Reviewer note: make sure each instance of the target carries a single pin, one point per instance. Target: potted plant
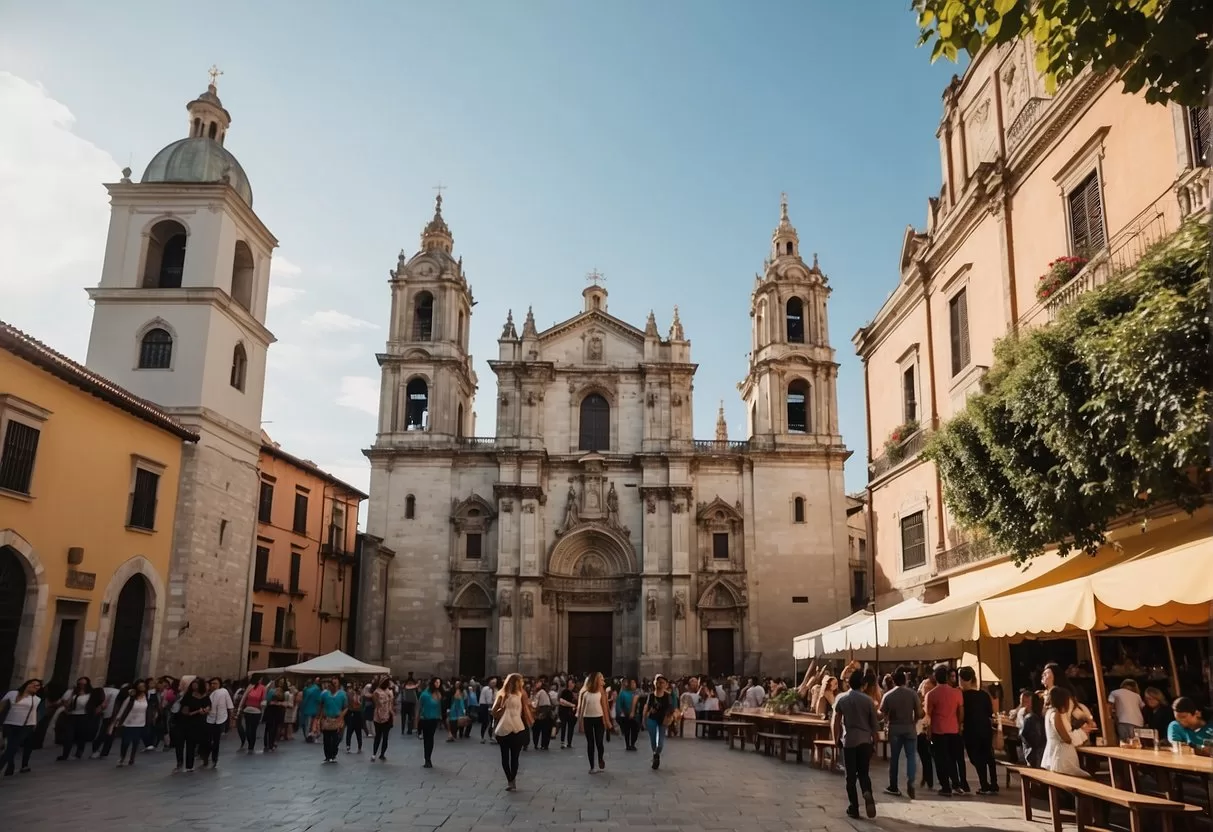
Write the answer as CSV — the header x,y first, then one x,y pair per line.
x,y
1061,271
782,703
894,446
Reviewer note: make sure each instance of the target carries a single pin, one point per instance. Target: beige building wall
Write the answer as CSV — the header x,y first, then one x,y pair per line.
x,y
1013,159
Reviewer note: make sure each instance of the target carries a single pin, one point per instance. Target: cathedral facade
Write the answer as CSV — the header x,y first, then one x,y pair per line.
x,y
593,532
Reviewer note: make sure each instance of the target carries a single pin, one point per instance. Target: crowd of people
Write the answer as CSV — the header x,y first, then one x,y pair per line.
x,y
935,718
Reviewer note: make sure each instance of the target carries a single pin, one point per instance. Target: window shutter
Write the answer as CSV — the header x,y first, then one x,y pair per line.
x,y
1079,241
1202,135
962,310
1095,231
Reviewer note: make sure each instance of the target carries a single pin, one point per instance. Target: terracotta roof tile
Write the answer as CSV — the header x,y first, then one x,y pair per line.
x,y
58,364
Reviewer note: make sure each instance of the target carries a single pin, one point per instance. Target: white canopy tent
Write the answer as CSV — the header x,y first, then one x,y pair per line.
x,y
336,663
810,646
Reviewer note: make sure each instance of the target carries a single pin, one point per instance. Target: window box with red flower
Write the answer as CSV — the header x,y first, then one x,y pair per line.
x,y
1061,271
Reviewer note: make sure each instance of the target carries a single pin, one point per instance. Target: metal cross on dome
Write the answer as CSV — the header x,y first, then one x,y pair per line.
x,y
595,278
214,72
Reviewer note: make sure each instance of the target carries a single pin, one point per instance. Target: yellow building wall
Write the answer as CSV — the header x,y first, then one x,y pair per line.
x,y
79,497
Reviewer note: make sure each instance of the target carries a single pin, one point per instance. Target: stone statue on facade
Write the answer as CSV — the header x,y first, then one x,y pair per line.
x,y
571,514
680,605
612,502
651,606
504,607
528,605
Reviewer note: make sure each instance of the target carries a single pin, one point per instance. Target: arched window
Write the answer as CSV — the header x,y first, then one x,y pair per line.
x,y
156,350
239,367
165,256
595,424
460,328
213,131
423,317
410,507
197,127
789,247
798,510
242,275
753,419
459,424
416,405
795,321
798,406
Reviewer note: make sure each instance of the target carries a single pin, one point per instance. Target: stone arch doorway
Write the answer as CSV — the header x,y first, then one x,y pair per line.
x,y
13,586
129,635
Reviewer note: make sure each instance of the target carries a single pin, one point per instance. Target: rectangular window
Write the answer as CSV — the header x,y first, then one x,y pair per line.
x,y
17,456
1200,128
254,630
300,524
800,599
720,545
279,625
261,569
859,586
909,396
143,499
958,325
265,505
913,541
863,545
473,545
296,565
1086,217
337,528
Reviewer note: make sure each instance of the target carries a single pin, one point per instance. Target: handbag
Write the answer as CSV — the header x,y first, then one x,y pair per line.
x,y
330,723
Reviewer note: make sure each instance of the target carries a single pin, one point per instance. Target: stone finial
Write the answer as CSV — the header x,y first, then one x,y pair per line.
x,y
528,326
650,326
816,268
722,427
508,332
400,258
676,333
126,176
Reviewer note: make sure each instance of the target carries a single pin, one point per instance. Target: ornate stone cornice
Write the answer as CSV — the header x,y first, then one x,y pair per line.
x,y
520,492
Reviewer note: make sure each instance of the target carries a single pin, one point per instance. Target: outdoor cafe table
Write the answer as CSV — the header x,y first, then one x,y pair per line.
x,y
802,726
1163,761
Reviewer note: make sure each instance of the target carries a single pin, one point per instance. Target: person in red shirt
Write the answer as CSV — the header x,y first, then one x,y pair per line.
x,y
944,705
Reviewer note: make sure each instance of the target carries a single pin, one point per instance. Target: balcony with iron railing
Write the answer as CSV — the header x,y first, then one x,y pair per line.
x,y
478,441
964,554
720,446
267,585
899,454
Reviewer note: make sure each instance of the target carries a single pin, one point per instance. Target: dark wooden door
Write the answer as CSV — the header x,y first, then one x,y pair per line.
x,y
65,653
12,605
591,640
128,632
472,648
720,653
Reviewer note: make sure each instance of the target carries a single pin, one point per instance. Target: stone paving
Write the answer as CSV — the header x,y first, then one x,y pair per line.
x,y
701,786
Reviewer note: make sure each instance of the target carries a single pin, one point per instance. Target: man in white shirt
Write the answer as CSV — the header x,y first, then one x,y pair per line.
x,y
755,694
1128,709
216,721
488,692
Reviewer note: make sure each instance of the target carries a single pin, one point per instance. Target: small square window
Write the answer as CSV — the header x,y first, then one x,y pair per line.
x,y
473,545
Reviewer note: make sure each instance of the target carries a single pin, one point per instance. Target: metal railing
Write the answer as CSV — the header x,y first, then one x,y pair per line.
x,y
964,554
268,586
909,449
719,446
1122,253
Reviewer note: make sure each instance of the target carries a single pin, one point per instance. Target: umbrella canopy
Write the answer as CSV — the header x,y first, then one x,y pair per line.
x,y
336,663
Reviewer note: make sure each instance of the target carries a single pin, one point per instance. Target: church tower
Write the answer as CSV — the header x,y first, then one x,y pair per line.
x,y
428,383
179,319
790,388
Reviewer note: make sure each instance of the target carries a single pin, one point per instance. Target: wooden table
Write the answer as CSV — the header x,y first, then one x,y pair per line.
x,y
804,727
1164,762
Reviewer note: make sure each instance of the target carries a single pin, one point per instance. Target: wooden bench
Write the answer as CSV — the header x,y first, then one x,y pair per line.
x,y
1086,792
1011,768
738,732
823,749
770,742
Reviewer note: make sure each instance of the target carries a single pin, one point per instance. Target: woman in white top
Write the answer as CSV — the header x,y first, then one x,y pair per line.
x,y
1061,739
20,708
513,716
594,717
132,720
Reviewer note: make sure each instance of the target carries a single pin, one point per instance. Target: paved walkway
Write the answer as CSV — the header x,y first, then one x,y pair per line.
x,y
700,786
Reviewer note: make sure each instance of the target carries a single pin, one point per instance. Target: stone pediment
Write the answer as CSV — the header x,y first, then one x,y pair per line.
x,y
474,513
721,594
588,320
718,510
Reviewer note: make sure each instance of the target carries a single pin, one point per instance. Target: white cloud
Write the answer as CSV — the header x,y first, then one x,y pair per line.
x,y
360,393
282,295
55,215
283,269
330,320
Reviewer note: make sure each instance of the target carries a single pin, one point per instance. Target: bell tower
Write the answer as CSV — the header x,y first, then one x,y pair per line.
x,y
428,384
179,319
790,390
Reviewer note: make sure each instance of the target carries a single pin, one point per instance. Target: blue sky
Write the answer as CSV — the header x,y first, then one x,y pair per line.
x,y
648,140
